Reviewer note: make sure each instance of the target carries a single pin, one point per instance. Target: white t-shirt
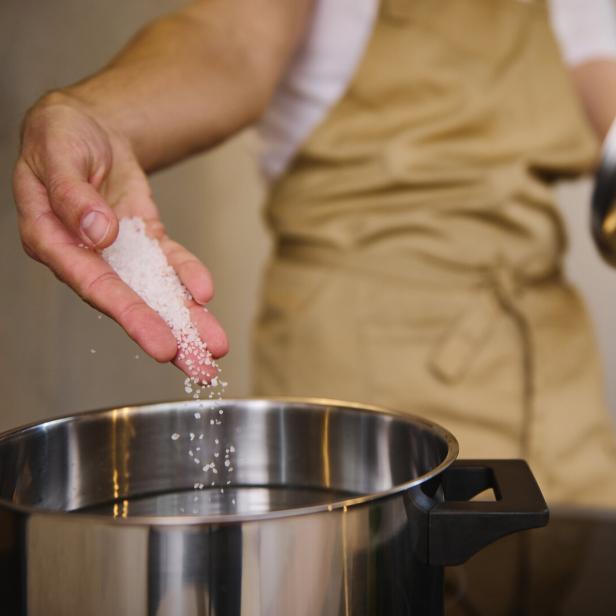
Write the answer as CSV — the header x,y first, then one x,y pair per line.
x,y
333,47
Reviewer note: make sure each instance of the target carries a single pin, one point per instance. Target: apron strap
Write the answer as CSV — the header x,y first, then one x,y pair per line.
x,y
454,355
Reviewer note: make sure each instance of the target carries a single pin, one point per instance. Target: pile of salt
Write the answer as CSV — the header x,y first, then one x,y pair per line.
x,y
140,262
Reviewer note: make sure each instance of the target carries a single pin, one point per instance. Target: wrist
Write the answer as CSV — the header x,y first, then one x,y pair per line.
x,y
100,112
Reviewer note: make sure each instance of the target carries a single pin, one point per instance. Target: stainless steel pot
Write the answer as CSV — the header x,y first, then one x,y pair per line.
x,y
316,508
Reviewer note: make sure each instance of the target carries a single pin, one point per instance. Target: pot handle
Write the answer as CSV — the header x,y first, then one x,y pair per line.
x,y
459,527
603,212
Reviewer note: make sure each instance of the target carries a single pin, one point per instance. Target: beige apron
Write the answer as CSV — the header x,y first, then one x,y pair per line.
x,y
418,247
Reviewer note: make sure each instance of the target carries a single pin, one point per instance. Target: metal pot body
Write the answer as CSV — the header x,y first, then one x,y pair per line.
x,y
358,562
315,508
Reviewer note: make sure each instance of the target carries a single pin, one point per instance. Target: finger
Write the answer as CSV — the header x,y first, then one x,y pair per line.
x,y
30,195
210,331
95,281
191,361
107,292
193,274
79,205
30,199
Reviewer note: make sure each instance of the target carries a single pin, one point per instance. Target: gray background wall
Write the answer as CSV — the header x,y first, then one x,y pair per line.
x,y
46,333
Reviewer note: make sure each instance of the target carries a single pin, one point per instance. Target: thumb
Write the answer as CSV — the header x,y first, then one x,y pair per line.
x,y
81,208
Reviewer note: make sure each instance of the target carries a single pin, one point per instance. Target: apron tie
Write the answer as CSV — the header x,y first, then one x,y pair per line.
x,y
494,290
453,356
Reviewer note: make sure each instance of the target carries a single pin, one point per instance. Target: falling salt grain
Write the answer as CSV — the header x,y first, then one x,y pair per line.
x,y
175,436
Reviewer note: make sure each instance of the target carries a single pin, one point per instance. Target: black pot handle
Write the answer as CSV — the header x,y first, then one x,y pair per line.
x,y
603,212
458,527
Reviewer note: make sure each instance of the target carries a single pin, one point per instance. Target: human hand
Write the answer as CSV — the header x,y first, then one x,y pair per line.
x,y
74,178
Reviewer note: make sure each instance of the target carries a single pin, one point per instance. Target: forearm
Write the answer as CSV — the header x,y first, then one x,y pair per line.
x,y
194,77
595,82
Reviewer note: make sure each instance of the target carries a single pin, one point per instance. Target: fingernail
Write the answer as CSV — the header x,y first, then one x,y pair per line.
x,y
95,225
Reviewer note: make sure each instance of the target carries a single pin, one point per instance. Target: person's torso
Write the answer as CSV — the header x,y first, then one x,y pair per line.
x,y
446,141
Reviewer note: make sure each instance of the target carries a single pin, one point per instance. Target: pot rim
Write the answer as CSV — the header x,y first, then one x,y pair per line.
x,y
342,505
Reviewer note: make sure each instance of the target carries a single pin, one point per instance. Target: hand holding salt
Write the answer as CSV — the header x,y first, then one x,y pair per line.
x,y
140,262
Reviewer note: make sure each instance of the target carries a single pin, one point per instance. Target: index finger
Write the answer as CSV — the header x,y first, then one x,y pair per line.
x,y
86,272
98,284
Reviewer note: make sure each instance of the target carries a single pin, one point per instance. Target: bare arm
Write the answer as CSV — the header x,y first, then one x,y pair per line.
x,y
196,76
595,82
183,83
